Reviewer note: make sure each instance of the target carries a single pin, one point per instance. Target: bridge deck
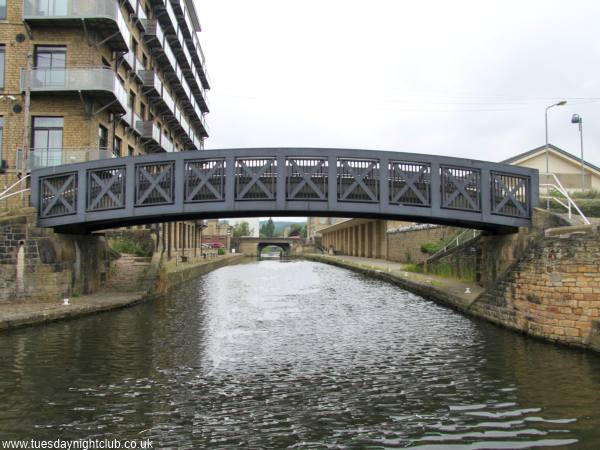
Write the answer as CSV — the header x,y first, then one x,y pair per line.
x,y
284,182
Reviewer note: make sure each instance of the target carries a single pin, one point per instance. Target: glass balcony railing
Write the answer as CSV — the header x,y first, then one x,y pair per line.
x,y
98,81
168,100
129,58
104,16
128,116
166,144
50,157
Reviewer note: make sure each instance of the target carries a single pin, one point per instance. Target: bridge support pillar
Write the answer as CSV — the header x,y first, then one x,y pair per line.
x,y
369,244
360,240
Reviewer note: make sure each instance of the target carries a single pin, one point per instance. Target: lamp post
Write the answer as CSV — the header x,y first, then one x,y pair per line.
x,y
561,103
576,118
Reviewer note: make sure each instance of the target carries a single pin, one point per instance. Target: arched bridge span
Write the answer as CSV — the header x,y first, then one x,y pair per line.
x,y
284,182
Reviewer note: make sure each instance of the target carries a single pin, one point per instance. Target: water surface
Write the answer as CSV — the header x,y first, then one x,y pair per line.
x,y
296,355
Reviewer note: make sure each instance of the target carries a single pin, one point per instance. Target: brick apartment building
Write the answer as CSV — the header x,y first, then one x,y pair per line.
x,y
106,78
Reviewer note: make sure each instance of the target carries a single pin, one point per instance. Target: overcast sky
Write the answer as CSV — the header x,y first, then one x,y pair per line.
x,y
458,78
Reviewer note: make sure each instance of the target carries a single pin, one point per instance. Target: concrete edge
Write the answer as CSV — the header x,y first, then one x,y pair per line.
x,y
570,229
425,290
41,318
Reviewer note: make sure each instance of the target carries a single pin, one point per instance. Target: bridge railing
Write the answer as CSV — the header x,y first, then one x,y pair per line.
x,y
240,182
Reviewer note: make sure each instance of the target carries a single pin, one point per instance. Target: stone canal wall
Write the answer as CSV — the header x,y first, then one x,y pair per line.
x,y
404,245
38,264
171,275
552,290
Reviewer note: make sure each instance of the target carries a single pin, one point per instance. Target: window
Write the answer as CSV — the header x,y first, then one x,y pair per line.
x,y
134,47
102,137
117,146
131,101
143,111
105,63
145,61
1,65
47,141
129,150
2,9
50,62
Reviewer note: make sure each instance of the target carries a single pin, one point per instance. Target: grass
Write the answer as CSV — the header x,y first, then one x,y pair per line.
x,y
444,270
123,246
592,194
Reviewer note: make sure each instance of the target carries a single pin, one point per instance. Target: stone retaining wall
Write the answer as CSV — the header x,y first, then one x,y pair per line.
x,y
405,245
38,264
552,291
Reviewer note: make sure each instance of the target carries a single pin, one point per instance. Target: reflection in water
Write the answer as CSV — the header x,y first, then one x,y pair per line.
x,y
296,354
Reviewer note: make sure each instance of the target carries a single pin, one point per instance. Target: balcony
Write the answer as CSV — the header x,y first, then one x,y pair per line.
x,y
129,59
101,84
151,84
50,157
102,16
148,131
128,116
135,118
138,15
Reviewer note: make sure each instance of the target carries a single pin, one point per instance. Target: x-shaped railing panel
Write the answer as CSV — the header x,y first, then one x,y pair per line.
x,y
411,175
306,171
154,184
458,186
250,176
106,189
500,203
59,195
204,180
360,172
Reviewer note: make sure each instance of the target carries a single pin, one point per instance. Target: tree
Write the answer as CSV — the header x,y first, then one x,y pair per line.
x,y
267,229
241,229
298,229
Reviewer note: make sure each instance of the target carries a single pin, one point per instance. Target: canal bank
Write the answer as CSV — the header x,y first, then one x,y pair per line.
x,y
459,295
170,274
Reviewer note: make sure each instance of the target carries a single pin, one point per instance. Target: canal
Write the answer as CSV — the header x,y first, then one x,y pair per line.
x,y
296,355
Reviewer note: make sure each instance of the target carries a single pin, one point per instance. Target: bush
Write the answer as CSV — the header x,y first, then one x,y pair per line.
x,y
590,207
592,193
431,247
221,251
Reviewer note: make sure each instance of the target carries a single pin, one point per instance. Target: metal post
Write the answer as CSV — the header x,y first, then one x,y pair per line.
x,y
26,119
582,162
561,103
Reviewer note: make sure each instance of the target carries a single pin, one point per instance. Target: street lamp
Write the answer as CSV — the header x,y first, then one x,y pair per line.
x,y
561,103
576,118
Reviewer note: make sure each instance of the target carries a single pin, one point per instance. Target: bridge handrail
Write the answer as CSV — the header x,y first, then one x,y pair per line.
x,y
6,193
560,188
462,237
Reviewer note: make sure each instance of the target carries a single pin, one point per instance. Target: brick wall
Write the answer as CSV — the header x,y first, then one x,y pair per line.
x,y
552,291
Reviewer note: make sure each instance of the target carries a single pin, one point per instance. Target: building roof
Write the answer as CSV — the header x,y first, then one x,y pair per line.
x,y
553,148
